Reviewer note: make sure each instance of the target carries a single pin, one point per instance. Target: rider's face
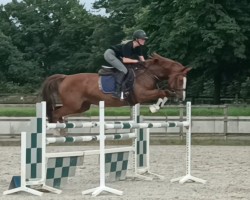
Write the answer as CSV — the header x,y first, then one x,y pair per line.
x,y
141,41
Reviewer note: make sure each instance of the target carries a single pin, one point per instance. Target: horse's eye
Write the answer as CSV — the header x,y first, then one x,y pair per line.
x,y
180,80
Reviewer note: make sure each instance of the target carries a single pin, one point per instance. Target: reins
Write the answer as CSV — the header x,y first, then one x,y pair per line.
x,y
145,71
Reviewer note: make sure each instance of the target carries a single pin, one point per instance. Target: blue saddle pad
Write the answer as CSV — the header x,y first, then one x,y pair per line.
x,y
107,84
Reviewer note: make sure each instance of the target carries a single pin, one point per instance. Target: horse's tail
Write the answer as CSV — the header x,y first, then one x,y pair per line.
x,y
49,92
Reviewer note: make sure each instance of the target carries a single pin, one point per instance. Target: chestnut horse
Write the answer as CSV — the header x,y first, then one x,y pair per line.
x,y
77,92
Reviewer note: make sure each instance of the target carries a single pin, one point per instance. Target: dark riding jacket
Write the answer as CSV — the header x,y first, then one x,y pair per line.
x,y
126,50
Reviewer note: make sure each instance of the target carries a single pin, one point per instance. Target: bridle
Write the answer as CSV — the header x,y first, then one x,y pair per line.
x,y
176,80
157,79
148,73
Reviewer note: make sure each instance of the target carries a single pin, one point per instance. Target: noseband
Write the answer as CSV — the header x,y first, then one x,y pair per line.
x,y
178,89
175,89
157,79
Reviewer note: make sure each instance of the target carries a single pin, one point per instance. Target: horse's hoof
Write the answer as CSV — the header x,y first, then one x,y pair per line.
x,y
63,133
153,108
56,133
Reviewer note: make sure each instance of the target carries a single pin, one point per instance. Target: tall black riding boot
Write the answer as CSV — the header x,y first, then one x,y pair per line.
x,y
118,84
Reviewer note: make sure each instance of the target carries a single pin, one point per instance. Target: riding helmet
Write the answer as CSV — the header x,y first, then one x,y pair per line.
x,y
140,34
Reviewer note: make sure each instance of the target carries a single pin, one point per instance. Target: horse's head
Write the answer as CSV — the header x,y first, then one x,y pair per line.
x,y
177,83
172,71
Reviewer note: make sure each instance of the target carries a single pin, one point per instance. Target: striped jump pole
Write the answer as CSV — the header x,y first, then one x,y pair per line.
x,y
124,136
132,125
72,125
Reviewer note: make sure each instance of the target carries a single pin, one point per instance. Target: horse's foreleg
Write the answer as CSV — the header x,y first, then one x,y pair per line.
x,y
160,103
155,107
165,99
161,95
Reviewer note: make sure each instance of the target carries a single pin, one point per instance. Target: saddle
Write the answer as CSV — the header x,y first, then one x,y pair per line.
x,y
108,77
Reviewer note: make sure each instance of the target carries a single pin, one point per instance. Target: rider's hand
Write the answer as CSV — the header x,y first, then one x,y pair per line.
x,y
141,62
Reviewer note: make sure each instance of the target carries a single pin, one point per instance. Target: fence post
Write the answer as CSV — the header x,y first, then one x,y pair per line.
x,y
181,119
225,121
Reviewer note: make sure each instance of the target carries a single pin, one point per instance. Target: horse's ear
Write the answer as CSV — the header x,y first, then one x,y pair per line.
x,y
155,60
186,70
155,57
154,54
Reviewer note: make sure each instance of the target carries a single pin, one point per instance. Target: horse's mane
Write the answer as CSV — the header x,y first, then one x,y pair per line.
x,y
156,57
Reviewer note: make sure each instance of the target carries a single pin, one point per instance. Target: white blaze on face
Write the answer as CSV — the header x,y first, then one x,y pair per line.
x,y
184,88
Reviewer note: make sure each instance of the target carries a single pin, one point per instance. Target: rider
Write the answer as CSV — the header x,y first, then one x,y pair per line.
x,y
123,53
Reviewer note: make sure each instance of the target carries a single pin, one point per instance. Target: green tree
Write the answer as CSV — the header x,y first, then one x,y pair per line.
x,y
210,36
13,67
53,33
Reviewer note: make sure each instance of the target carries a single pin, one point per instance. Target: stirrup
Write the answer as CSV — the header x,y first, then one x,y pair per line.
x,y
118,96
122,95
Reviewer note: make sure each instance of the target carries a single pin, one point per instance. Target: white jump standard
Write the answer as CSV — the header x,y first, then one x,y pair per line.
x,y
188,176
102,187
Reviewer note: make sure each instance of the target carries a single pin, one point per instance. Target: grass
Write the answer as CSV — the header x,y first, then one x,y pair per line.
x,y
17,112
125,111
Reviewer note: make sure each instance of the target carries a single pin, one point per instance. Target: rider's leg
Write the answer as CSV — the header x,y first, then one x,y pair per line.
x,y
111,58
118,84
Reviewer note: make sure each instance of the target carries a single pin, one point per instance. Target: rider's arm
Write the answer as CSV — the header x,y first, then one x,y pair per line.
x,y
129,60
141,58
127,53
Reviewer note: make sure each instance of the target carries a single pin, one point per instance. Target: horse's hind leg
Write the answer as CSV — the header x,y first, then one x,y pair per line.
x,y
58,114
57,131
67,110
60,119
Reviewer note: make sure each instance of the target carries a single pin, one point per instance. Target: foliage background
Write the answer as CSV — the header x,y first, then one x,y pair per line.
x,y
39,38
